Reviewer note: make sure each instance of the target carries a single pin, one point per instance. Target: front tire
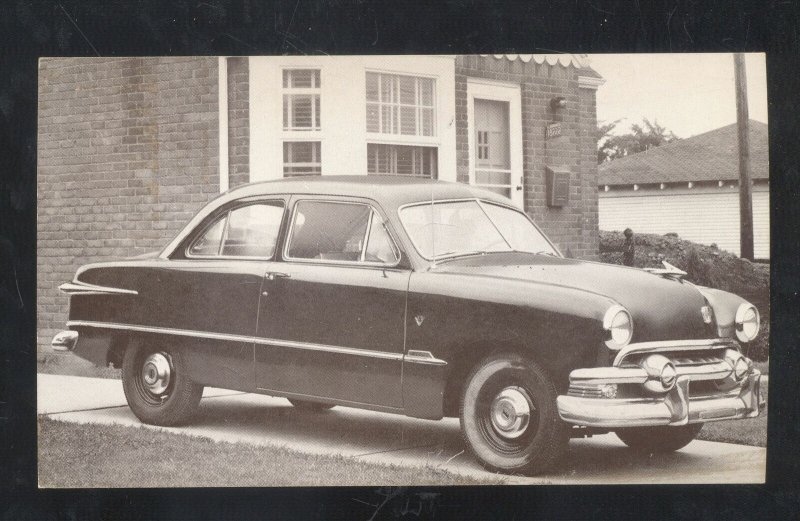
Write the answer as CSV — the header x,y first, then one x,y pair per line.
x,y
157,387
662,438
509,417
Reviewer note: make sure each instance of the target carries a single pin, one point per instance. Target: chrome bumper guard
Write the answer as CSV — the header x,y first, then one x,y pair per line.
x,y
674,407
64,341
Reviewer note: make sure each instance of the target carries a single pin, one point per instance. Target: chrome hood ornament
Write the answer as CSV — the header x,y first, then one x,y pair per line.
x,y
668,271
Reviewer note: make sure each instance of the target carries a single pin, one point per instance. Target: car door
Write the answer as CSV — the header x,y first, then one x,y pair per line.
x,y
210,290
331,321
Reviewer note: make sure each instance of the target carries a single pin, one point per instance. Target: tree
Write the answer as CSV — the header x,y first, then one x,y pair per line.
x,y
641,137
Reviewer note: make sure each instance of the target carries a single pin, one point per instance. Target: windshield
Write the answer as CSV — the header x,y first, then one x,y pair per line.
x,y
453,228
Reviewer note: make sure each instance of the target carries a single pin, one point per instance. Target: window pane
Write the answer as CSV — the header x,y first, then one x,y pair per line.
x,y
208,243
300,110
380,247
388,125
427,122
253,230
301,78
451,228
408,90
302,158
518,230
426,92
408,121
387,88
401,160
373,118
328,231
373,93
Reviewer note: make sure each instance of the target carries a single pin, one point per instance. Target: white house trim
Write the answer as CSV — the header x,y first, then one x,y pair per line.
x,y
590,82
343,112
498,91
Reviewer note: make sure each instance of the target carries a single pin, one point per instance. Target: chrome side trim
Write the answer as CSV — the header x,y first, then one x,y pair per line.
x,y
422,357
237,338
84,288
674,345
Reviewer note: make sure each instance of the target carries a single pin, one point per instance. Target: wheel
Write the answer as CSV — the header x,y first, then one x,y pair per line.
x,y
310,406
662,438
509,417
157,387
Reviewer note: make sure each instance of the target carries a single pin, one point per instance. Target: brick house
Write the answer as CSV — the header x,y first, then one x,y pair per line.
x,y
130,148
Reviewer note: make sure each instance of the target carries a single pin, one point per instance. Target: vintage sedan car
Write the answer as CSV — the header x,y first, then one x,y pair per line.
x,y
415,297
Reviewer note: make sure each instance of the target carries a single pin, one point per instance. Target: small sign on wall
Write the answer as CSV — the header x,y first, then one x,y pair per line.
x,y
552,130
557,180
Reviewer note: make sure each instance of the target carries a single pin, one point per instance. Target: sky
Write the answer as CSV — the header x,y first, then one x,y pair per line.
x,y
687,93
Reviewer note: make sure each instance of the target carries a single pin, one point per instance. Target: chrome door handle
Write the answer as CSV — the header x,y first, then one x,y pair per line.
x,y
272,275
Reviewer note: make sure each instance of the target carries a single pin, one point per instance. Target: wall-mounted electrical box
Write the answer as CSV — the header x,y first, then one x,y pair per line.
x,y
557,180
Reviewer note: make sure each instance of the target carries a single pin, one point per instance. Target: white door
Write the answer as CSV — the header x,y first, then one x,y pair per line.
x,y
492,149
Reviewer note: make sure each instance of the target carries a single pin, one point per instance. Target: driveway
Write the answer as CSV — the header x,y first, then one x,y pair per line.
x,y
391,439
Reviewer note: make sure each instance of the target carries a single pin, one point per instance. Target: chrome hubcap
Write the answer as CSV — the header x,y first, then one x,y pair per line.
x,y
156,373
511,412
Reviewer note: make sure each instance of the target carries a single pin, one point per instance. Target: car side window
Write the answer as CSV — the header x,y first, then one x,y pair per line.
x,y
247,231
339,232
380,247
208,243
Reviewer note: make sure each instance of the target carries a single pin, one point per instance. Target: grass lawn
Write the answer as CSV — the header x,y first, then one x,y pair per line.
x,y
752,431
75,455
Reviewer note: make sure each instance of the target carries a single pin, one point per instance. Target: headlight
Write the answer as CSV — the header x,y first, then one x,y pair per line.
x,y
617,321
747,322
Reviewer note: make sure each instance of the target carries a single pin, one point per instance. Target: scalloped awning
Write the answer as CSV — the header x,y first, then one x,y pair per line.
x,y
580,61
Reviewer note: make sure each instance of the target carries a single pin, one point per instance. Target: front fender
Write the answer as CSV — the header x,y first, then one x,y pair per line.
x,y
724,304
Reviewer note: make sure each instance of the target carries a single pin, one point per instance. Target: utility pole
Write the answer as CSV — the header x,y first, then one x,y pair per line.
x,y
745,188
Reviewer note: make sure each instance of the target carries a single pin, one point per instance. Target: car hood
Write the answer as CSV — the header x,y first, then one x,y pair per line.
x,y
662,308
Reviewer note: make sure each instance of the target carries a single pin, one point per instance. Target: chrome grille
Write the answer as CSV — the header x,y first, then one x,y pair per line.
x,y
680,358
584,391
692,359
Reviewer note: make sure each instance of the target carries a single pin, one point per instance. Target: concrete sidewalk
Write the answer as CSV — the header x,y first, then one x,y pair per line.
x,y
397,440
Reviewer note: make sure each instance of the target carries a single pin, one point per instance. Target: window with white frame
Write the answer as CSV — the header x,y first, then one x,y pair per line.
x,y
400,104
301,99
301,158
419,161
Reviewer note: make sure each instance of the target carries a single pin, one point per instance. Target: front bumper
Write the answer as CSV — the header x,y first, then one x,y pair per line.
x,y
677,406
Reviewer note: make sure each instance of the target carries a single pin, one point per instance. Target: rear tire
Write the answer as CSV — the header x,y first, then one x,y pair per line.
x,y
662,438
304,405
509,417
157,387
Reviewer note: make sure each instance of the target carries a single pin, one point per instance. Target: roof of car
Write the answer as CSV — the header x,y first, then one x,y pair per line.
x,y
389,190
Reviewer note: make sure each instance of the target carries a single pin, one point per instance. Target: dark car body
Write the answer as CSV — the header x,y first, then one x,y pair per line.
x,y
398,337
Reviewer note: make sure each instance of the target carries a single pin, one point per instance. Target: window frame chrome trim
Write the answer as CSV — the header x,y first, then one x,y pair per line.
x,y
355,264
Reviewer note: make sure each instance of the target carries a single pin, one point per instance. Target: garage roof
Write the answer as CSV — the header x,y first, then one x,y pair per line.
x,y
711,156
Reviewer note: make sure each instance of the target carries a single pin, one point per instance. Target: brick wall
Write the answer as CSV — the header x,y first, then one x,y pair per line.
x,y
238,121
127,153
573,227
